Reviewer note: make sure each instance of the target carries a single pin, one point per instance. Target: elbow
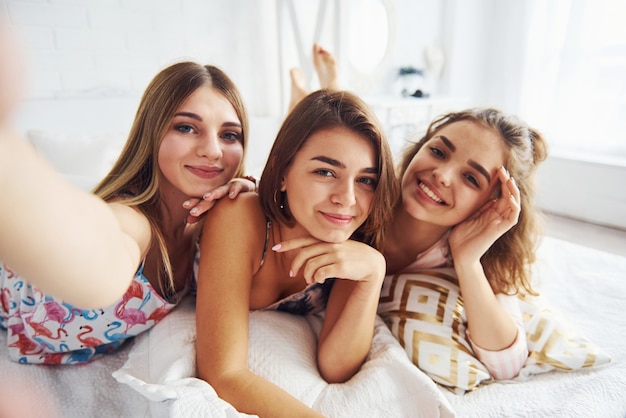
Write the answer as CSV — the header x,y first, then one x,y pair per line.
x,y
333,377
220,383
337,373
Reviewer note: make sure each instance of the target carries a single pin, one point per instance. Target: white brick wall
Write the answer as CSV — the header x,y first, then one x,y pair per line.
x,y
104,48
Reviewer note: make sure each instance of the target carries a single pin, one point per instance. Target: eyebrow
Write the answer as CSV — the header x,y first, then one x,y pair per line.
x,y
199,119
447,142
472,163
336,163
189,115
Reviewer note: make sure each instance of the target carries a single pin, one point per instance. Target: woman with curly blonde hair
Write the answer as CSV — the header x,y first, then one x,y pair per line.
x,y
467,190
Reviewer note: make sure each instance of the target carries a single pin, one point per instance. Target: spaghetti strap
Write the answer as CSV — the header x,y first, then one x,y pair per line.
x,y
268,226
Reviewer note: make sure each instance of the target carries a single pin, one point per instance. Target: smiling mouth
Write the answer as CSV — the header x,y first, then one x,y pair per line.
x,y
205,173
429,193
338,219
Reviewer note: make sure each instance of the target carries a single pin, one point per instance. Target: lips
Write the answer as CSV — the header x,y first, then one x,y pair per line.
x,y
430,193
338,219
205,172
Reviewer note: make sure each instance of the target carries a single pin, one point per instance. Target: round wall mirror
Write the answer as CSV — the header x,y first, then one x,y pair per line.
x,y
369,41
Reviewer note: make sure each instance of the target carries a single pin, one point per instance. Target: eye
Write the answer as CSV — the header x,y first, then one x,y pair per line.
x,y
185,129
472,180
437,152
368,181
324,172
231,136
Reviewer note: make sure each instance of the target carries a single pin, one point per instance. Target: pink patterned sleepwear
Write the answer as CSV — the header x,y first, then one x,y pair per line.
x,y
42,329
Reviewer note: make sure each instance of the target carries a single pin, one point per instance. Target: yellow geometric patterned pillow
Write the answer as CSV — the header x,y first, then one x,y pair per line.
x,y
553,344
425,313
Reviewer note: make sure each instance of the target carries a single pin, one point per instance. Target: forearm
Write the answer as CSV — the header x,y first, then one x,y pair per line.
x,y
505,363
490,325
254,395
348,329
65,241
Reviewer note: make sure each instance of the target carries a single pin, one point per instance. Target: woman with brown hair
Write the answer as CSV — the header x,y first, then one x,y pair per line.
x,y
328,187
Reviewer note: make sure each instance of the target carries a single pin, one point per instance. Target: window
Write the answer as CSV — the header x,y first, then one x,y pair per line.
x,y
575,77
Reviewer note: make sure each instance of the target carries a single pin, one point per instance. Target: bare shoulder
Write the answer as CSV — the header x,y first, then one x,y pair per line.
x,y
234,229
242,213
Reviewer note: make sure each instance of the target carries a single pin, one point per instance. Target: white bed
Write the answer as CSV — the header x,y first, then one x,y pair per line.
x,y
587,287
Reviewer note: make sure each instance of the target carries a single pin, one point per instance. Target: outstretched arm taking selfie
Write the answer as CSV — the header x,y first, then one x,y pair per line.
x,y
46,222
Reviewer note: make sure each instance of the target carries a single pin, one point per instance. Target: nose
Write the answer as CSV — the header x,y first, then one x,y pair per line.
x,y
344,193
442,175
210,146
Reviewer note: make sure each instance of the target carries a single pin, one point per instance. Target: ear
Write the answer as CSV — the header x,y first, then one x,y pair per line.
x,y
283,188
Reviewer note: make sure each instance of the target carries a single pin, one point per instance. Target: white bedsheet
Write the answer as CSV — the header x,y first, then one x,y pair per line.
x,y
587,287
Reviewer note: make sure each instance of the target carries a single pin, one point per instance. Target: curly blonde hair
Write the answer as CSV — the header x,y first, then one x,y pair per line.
x,y
508,261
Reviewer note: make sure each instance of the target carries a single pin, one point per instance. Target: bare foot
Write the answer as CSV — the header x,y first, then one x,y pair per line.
x,y
298,89
326,67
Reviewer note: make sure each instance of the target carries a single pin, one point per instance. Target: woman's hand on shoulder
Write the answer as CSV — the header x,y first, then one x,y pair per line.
x,y
198,207
350,260
470,239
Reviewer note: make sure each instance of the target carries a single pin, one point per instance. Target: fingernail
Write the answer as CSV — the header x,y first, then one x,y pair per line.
x,y
193,211
206,196
186,203
276,247
290,273
231,193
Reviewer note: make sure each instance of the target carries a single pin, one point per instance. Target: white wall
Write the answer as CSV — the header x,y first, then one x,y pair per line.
x,y
588,190
112,48
102,48
91,60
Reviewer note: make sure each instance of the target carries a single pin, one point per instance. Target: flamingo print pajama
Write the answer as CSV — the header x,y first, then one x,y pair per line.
x,y
42,329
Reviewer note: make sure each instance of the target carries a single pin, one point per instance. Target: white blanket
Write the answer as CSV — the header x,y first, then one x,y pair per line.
x,y
161,367
587,287
69,391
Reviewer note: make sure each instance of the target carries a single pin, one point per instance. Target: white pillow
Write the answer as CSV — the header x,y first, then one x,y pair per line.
x,y
84,159
282,349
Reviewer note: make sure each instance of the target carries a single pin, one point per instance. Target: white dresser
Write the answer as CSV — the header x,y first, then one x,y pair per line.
x,y
404,118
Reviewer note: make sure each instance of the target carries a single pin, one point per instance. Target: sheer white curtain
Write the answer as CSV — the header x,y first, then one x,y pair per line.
x,y
574,84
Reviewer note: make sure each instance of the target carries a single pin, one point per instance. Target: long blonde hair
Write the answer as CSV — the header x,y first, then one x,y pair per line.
x,y
507,262
134,178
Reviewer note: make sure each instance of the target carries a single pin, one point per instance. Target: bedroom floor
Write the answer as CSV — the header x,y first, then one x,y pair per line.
x,y
603,238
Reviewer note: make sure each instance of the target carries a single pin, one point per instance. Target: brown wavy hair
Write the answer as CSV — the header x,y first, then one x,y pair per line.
x,y
134,178
321,110
508,261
